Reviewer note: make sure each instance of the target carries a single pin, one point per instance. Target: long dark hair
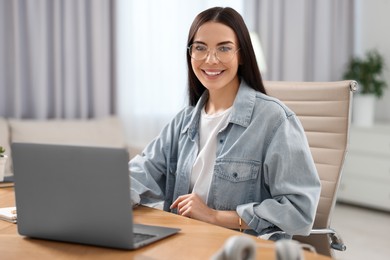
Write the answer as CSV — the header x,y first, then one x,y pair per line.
x,y
248,69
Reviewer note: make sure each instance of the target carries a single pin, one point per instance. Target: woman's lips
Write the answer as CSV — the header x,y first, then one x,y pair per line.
x,y
213,73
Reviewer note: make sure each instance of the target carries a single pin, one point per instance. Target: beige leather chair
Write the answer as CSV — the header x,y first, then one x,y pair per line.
x,y
324,111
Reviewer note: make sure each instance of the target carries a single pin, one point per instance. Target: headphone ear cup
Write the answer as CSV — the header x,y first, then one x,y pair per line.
x,y
237,248
240,247
288,250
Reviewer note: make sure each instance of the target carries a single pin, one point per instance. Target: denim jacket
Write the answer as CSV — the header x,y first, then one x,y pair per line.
x,y
263,169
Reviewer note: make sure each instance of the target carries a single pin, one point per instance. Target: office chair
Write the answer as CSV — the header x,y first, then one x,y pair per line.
x,y
324,111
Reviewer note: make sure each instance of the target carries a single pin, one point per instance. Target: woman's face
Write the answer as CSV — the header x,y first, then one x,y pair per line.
x,y
218,70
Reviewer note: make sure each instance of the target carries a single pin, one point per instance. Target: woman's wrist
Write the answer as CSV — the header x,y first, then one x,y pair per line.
x,y
228,219
214,217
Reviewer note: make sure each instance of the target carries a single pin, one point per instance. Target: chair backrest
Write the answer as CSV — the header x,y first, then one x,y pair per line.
x,y
324,111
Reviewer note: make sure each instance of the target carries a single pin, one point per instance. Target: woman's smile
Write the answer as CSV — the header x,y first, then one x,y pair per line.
x,y
212,74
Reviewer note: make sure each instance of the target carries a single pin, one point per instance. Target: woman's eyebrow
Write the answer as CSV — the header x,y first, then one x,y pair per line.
x,y
220,43
225,42
200,42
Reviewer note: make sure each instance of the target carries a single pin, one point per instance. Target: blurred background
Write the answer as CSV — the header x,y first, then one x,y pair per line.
x,y
85,59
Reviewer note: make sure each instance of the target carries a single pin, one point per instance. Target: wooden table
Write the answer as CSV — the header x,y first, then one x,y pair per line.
x,y
196,240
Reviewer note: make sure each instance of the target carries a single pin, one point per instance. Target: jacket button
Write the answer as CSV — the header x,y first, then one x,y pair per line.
x,y
221,141
235,174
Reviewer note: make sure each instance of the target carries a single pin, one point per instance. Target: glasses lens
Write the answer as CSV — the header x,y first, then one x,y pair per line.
x,y
224,53
198,51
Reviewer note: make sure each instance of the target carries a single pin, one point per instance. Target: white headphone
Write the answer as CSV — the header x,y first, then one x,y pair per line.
x,y
244,248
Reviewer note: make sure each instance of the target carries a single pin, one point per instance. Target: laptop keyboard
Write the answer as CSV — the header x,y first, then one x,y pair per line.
x,y
138,237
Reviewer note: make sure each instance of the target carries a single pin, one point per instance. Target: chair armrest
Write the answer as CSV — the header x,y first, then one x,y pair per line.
x,y
336,241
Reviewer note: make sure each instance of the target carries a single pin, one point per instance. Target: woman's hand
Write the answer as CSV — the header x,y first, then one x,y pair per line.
x,y
192,206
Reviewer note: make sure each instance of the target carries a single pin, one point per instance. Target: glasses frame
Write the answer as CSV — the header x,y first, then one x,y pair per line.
x,y
208,53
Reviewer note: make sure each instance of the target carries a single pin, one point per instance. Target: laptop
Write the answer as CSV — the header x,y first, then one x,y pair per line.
x,y
78,194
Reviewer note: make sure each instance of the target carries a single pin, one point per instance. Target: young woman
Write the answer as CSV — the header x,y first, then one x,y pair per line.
x,y
234,157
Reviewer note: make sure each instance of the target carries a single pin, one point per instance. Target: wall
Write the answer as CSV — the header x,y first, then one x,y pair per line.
x,y
372,31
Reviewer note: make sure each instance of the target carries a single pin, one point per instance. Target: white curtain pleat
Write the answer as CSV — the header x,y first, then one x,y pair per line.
x,y
82,37
71,66
57,59
2,57
19,69
101,59
57,56
37,57
304,40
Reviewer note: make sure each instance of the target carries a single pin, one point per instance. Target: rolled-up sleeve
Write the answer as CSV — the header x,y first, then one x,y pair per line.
x,y
290,173
147,173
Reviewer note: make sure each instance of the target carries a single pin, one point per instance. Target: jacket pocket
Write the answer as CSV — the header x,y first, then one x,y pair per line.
x,y
235,183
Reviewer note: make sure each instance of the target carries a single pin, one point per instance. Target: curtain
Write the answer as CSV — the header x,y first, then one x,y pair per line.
x,y
304,40
56,59
151,61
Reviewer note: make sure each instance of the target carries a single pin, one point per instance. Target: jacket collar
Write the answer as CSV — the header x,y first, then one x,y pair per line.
x,y
243,105
241,112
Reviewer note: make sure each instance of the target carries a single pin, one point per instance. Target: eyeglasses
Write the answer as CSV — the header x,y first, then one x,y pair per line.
x,y
223,53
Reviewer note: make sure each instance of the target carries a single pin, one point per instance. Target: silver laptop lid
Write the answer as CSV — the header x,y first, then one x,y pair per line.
x,y
74,194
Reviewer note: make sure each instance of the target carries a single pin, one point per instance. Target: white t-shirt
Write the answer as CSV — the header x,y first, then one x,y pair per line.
x,y
203,168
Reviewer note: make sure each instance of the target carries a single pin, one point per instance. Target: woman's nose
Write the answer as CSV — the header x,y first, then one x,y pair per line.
x,y
211,57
